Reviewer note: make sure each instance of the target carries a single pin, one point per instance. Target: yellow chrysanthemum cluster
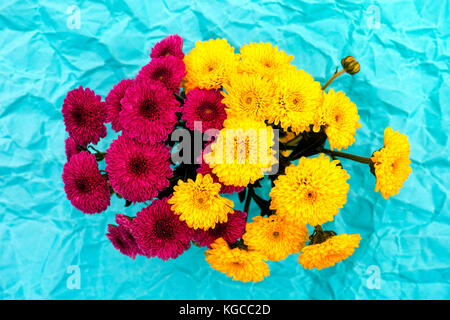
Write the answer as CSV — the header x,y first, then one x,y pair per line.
x,y
391,163
275,237
240,264
242,152
312,191
329,252
262,89
209,64
199,204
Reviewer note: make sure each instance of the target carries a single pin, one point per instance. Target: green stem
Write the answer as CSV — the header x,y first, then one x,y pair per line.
x,y
334,76
353,157
248,199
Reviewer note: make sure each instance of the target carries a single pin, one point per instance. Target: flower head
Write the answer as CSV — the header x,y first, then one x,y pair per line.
x,y
113,105
159,232
350,65
121,236
72,147
312,191
230,231
391,163
84,116
264,59
329,252
166,71
137,171
240,264
205,106
248,95
148,113
170,46
242,152
209,64
297,99
340,117
199,203
275,237
85,187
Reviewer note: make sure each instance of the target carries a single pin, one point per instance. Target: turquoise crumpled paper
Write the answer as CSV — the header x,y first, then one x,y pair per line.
x,y
46,245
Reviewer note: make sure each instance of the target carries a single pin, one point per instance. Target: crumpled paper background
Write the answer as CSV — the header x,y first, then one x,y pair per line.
x,y
403,48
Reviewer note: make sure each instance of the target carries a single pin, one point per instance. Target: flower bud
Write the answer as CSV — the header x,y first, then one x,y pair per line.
x,y
350,65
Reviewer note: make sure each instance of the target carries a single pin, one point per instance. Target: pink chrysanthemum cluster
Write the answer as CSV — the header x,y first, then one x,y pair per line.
x,y
144,110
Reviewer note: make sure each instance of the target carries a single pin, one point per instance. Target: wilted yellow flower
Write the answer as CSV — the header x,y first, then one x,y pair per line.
x,y
264,60
209,64
275,237
242,152
391,163
199,203
297,100
248,95
237,263
312,191
340,117
329,252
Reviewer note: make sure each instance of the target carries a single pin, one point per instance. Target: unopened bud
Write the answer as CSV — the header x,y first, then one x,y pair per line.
x,y
350,65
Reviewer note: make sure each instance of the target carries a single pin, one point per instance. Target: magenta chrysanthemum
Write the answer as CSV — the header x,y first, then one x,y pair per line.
x,y
84,116
148,112
230,231
85,187
72,147
137,171
205,106
121,236
113,105
159,232
205,169
167,71
169,46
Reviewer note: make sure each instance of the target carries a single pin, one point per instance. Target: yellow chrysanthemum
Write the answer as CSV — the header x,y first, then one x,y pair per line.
x,y
391,163
329,252
199,203
242,152
237,263
312,191
297,100
340,117
248,96
209,64
264,60
275,236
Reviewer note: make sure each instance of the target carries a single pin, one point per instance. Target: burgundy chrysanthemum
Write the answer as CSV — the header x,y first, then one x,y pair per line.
x,y
230,231
137,171
84,115
121,236
85,187
167,71
72,147
113,106
169,46
148,112
205,106
159,232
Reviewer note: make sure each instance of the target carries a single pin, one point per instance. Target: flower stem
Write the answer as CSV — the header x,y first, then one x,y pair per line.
x,y
179,98
248,199
334,76
365,160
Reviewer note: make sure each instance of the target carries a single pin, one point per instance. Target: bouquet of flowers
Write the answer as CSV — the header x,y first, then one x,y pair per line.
x,y
196,127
